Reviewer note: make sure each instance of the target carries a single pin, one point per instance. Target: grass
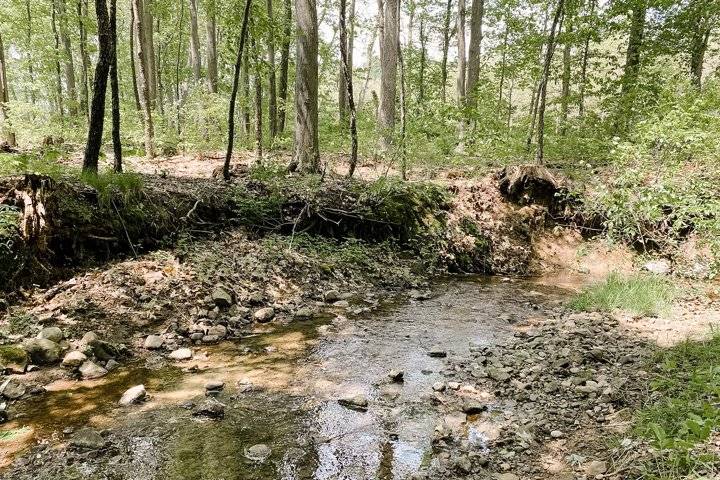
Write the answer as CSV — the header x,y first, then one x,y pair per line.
x,y
684,412
648,295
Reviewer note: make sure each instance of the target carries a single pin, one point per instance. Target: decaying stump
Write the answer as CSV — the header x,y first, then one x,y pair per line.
x,y
530,184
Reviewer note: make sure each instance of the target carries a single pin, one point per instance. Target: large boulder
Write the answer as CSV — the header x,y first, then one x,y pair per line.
x,y
43,351
74,359
51,333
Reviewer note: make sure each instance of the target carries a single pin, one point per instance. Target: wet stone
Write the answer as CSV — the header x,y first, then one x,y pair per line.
x,y
53,334
210,408
88,439
153,342
264,314
12,389
354,402
258,453
74,359
133,395
90,370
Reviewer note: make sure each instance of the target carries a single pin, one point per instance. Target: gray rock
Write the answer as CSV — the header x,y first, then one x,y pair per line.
x,y
12,389
74,359
53,334
396,375
595,468
210,339
304,313
43,351
214,386
658,267
264,314
90,370
102,350
88,338
210,408
153,342
473,407
111,365
505,476
87,439
341,304
556,434
355,402
258,453
437,352
181,354
133,395
221,297
332,296
438,386
219,331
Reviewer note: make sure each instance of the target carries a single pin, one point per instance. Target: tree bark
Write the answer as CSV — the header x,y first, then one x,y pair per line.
x,y
143,80
343,101
133,69
567,72
635,45
31,72
445,48
462,55
559,12
195,60
233,94
6,133
177,69
369,56
82,12
97,109
423,60
258,100
306,156
703,16
389,46
149,49
473,66
68,63
284,65
246,127
345,56
58,74
272,85
211,27
115,90
584,66
403,103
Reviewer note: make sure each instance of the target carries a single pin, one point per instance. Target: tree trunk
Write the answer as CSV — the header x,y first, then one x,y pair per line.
x,y
567,72
31,72
211,27
423,60
158,73
141,60
403,104
473,66
445,48
6,133
246,94
535,98
389,46
345,44
97,109
284,65
635,45
584,66
503,61
149,48
195,60
115,90
701,22
82,12
462,68
133,69
177,68
257,104
306,156
550,50
369,56
58,74
69,65
343,101
272,88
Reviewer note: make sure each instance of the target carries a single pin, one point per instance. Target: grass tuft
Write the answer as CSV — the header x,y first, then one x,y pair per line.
x,y
640,294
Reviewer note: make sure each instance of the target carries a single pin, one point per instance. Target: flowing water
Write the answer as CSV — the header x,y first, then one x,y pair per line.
x,y
281,390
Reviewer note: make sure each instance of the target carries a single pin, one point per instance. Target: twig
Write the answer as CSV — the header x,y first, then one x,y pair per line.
x,y
122,222
297,220
192,210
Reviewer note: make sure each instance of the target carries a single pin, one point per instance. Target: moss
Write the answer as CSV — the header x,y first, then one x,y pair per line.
x,y
12,354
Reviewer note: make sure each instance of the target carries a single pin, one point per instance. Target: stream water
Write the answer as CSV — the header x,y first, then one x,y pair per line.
x,y
281,390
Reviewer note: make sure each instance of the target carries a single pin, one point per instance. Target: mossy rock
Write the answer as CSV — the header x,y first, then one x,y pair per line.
x,y
13,358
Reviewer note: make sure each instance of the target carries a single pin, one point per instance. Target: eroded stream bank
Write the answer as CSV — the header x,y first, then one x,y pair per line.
x,y
282,390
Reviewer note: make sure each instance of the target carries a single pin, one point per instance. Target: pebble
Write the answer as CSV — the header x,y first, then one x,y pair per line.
x,y
264,315
181,354
153,342
133,395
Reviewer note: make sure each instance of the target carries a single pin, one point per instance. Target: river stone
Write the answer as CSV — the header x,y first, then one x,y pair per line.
x,y
258,453
111,365
556,434
74,359
332,296
210,408
304,313
12,389
214,385
88,338
264,314
87,438
13,359
506,476
181,354
595,468
102,350
473,407
221,297
438,386
396,375
153,342
133,395
219,331
43,351
437,352
53,334
90,370
355,402
658,267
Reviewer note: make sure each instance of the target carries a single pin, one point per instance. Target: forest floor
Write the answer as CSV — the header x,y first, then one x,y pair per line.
x,y
509,383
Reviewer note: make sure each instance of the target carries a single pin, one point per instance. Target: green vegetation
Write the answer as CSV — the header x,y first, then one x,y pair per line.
x,y
683,414
639,294
12,354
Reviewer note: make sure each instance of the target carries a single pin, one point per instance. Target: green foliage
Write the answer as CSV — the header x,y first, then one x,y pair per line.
x,y
684,411
640,294
12,354
109,185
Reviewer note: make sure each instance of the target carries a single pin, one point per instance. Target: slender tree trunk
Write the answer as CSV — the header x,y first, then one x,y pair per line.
x,y
31,72
567,72
635,45
69,65
246,95
177,68
158,73
347,74
272,87
343,101
473,66
445,48
369,56
6,133
97,110
133,69
584,66
195,60
149,49
58,74
284,65
233,94
143,80
510,104
306,156
82,12
403,104
389,47
115,90
258,116
701,22
462,54
535,99
559,12
211,27
503,61
423,60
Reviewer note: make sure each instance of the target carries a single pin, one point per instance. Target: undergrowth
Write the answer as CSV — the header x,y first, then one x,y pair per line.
x,y
640,294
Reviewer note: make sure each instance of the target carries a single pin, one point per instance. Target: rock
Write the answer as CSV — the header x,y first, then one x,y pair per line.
x,y
438,386
210,339
111,365
264,314
153,342
304,313
74,359
12,389
473,407
210,408
396,376
222,298
43,351
505,476
437,352
341,304
90,370
219,331
181,354
658,267
454,385
53,334
332,296
3,412
88,439
258,453
102,350
595,468
214,386
133,395
556,434
13,359
355,402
